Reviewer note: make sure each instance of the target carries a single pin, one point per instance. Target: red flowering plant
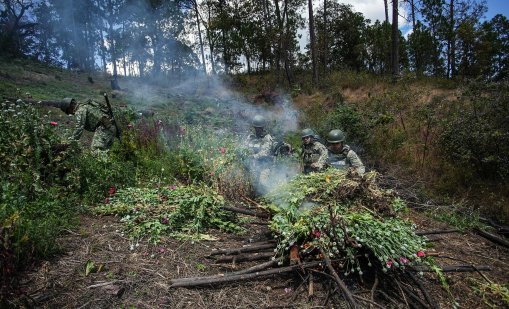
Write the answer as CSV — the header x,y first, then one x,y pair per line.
x,y
212,156
112,190
37,177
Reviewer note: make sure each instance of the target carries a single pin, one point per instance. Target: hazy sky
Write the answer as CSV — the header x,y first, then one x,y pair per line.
x,y
374,9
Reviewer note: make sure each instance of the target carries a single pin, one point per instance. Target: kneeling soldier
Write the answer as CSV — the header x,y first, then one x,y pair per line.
x,y
340,155
94,117
314,153
260,145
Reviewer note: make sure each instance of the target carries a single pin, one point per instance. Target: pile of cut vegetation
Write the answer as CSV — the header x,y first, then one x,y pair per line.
x,y
183,212
346,217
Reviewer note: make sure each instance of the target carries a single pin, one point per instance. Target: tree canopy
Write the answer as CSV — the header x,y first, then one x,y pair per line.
x,y
449,38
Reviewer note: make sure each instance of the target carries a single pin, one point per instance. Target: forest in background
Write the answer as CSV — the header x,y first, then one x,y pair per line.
x,y
175,38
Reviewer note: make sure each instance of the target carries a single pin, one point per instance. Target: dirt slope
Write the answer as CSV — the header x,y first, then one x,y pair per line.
x,y
139,278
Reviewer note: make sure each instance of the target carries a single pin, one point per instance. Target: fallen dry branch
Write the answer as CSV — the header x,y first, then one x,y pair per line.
x,y
247,199
253,269
421,233
501,229
493,238
233,278
454,268
102,284
414,297
247,248
346,292
244,258
423,291
245,211
368,301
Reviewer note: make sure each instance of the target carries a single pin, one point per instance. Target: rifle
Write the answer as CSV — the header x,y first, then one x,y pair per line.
x,y
110,112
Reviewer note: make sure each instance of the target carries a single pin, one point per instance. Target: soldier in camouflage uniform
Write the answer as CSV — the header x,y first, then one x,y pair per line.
x,y
340,156
94,117
260,145
314,154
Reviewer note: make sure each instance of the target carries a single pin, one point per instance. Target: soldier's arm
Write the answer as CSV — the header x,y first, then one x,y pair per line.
x,y
322,160
354,161
80,118
265,148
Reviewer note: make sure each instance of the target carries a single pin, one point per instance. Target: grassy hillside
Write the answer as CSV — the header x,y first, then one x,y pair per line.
x,y
401,129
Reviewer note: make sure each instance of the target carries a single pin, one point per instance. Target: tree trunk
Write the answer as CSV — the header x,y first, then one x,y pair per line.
x,y
141,67
279,47
286,46
102,51
113,52
74,36
395,40
195,4
325,34
312,41
267,53
211,43
223,37
248,62
386,11
452,42
417,59
156,69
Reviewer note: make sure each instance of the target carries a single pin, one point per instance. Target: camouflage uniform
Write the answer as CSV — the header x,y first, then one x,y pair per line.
x,y
314,154
346,158
93,117
261,158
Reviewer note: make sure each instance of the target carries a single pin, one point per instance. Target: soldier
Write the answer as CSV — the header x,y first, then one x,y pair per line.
x,y
260,145
314,153
94,117
340,156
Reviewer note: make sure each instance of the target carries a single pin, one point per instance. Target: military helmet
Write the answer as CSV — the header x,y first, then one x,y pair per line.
x,y
258,121
307,132
336,136
65,104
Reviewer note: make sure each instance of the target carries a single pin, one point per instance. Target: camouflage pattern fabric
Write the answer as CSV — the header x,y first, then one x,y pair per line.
x,y
93,117
261,147
261,160
314,157
346,158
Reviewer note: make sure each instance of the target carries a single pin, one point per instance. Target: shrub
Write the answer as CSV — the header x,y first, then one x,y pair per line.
x,y
96,176
37,198
476,137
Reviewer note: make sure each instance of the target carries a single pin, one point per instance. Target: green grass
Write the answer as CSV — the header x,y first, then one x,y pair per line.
x,y
44,82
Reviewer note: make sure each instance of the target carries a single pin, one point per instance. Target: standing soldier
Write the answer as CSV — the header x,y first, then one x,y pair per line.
x,y
260,145
314,154
94,117
340,155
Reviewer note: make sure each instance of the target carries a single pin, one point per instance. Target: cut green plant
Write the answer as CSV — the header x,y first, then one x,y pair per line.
x,y
346,216
184,212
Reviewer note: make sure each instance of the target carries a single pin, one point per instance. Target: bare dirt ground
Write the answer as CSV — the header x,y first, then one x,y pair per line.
x,y
130,275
